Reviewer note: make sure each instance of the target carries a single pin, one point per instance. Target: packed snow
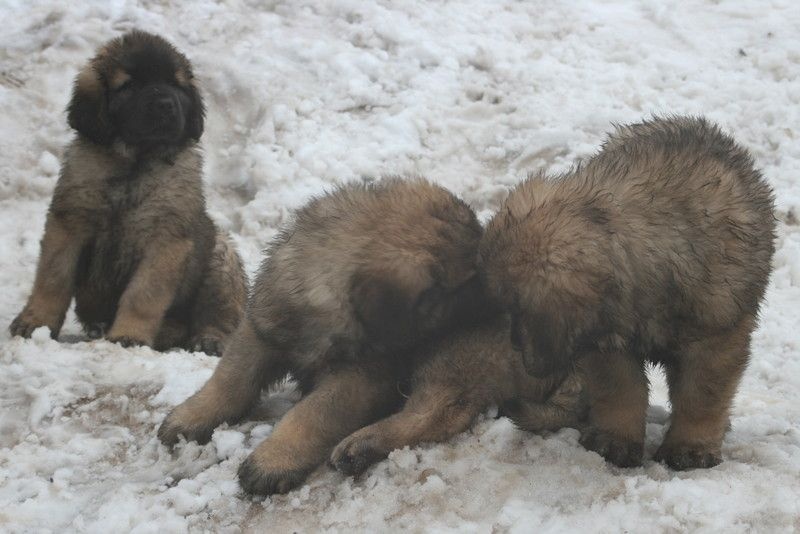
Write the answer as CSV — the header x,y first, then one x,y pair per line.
x,y
304,94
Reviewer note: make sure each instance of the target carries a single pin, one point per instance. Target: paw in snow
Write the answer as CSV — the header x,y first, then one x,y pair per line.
x,y
28,321
127,341
357,452
260,479
96,330
618,451
211,345
684,456
179,424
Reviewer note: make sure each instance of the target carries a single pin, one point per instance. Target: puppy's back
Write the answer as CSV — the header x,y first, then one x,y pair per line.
x,y
675,202
354,263
683,156
696,203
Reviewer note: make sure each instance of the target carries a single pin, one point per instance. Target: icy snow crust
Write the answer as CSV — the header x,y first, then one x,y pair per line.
x,y
306,94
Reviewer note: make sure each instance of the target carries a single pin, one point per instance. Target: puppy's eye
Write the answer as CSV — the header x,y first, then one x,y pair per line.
x,y
127,84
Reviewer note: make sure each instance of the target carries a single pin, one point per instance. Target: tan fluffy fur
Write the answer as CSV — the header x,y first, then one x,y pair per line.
x,y
360,276
459,376
657,249
127,233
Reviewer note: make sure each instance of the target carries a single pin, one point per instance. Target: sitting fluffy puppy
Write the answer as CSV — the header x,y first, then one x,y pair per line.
x,y
127,233
362,274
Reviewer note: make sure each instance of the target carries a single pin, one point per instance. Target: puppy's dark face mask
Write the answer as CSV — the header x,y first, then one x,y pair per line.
x,y
150,112
139,90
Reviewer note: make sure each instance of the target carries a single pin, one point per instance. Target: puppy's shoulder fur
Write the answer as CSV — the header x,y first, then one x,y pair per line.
x,y
359,263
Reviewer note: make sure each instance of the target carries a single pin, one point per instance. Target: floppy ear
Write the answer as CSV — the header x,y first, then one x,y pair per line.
x,y
195,118
543,342
87,112
382,306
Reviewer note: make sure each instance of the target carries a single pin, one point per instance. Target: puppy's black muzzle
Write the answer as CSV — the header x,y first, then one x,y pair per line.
x,y
163,108
161,105
158,115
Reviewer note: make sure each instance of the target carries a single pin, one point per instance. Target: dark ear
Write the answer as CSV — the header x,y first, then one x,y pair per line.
x,y
87,112
382,307
543,344
195,118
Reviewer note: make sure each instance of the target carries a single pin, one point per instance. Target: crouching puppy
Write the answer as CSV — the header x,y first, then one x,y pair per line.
x,y
127,233
460,375
658,249
362,274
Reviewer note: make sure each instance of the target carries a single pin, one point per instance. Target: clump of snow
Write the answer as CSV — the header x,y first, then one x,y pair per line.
x,y
227,442
304,94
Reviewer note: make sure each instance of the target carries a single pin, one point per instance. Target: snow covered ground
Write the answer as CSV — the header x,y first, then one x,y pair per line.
x,y
473,94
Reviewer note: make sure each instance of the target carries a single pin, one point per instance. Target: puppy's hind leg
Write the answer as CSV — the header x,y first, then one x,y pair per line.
x,y
340,403
617,389
702,384
567,406
220,301
433,413
172,333
248,364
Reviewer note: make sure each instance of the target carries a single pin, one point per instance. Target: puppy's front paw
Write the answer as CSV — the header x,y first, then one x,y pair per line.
x,y
127,341
357,452
130,333
682,456
28,320
211,345
618,451
95,330
179,423
258,477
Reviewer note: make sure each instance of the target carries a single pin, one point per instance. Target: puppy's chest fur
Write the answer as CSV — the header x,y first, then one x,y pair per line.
x,y
130,213
128,193
123,229
125,206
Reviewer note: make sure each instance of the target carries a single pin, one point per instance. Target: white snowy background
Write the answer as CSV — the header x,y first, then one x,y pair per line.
x,y
473,94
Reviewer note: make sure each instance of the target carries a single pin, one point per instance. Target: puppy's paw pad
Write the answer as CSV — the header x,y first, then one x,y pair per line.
x,y
208,344
618,451
22,328
681,457
95,330
25,323
353,457
172,428
255,479
127,341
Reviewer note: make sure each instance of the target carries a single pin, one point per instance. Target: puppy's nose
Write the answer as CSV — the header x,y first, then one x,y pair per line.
x,y
163,106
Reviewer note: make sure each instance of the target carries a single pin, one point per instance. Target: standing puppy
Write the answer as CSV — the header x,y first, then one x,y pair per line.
x,y
361,275
658,249
127,233
460,375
